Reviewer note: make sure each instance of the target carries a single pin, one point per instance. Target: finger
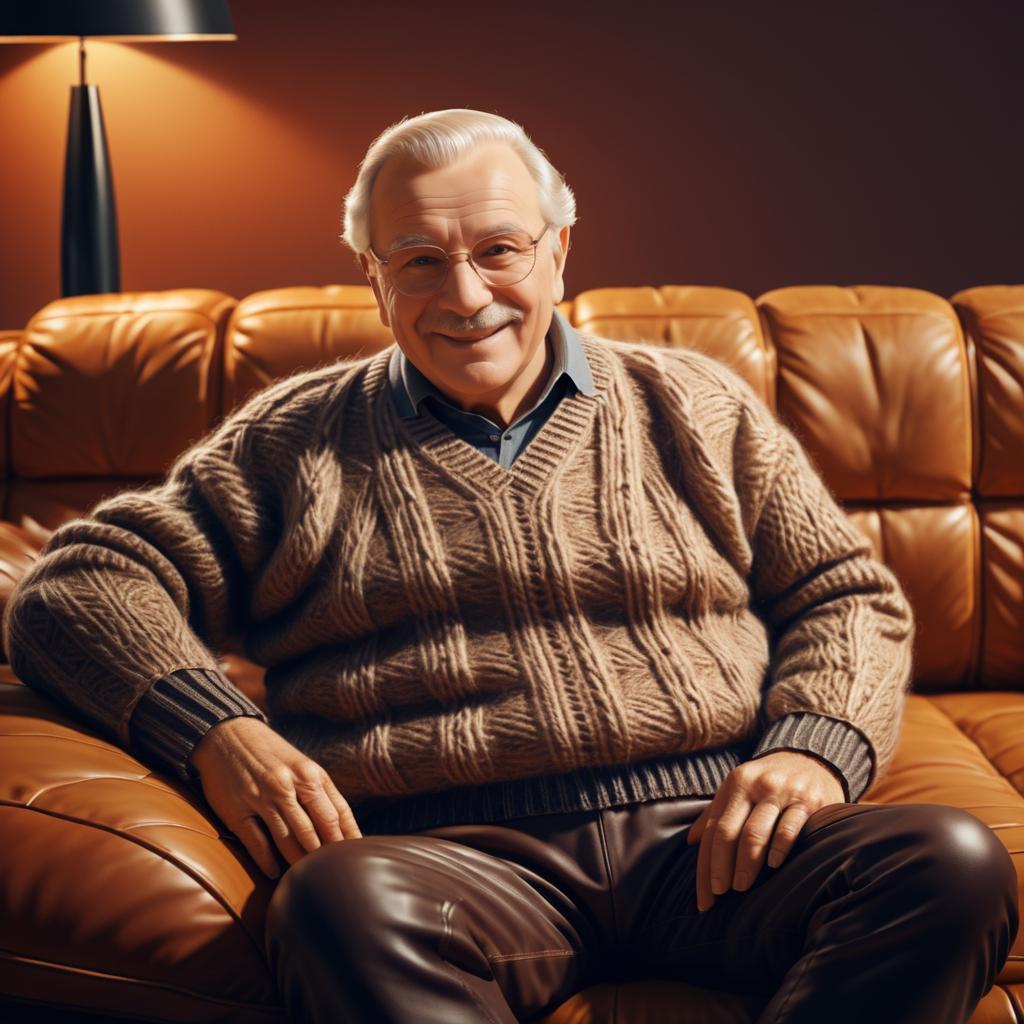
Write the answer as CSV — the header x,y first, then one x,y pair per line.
x,y
704,896
711,815
753,844
723,848
292,828
254,839
324,816
708,826
347,820
787,831
697,826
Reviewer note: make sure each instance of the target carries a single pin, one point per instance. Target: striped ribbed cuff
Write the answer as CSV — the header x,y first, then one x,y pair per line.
x,y
178,710
835,742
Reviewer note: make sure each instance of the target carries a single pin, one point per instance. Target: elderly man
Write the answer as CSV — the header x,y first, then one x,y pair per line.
x,y
575,670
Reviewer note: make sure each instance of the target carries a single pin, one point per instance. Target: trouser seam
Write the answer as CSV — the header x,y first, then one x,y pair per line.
x,y
792,987
447,911
611,880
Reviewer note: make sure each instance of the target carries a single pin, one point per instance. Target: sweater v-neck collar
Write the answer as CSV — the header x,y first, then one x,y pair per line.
x,y
565,427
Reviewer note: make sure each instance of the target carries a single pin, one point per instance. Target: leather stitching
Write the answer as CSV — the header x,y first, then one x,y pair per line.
x,y
501,957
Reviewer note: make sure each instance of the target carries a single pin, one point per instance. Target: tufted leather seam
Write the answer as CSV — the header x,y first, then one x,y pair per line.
x,y
74,739
156,851
30,802
858,313
148,982
963,732
311,308
140,780
185,311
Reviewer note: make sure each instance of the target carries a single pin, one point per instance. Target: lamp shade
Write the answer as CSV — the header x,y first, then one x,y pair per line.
x,y
45,21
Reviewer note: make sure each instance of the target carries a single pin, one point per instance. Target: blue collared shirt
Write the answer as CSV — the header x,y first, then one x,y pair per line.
x,y
414,393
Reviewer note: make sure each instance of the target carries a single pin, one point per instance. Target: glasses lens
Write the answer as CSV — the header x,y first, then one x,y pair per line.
x,y
499,260
418,270
505,259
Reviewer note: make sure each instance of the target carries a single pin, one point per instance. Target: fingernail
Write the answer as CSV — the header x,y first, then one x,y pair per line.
x,y
717,887
741,881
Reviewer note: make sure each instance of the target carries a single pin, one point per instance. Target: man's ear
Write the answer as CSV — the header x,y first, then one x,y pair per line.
x,y
558,284
382,309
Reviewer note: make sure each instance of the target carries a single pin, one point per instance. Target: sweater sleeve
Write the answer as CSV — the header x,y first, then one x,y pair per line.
x,y
841,625
147,584
833,742
178,710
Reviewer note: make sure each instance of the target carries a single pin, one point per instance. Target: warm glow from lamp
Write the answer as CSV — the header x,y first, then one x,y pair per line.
x,y
90,256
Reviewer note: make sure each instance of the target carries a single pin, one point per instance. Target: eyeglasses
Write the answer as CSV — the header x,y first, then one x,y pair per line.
x,y
500,260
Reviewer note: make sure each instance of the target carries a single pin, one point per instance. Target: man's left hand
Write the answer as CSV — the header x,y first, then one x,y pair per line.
x,y
781,791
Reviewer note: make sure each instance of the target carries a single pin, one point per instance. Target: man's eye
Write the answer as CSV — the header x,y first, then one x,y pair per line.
x,y
499,249
421,261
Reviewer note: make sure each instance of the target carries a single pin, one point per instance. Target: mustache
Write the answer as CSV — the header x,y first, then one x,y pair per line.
x,y
488,319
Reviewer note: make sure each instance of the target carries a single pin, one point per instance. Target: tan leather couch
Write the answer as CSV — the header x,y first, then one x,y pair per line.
x,y
119,891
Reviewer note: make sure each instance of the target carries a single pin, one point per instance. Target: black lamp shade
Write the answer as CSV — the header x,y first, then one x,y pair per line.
x,y
31,21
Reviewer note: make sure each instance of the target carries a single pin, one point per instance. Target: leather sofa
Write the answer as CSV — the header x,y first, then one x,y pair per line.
x,y
120,892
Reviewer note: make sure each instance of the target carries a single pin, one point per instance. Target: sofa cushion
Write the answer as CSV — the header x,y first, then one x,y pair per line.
x,y
163,906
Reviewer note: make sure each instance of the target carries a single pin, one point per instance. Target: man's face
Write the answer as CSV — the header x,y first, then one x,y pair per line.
x,y
477,342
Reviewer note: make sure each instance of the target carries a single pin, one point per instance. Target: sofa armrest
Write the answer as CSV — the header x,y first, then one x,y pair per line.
x,y
19,548
118,889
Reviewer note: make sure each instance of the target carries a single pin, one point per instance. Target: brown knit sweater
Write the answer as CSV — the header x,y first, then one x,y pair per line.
x,y
660,571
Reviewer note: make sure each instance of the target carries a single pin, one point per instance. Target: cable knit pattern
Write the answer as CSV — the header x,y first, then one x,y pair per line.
x,y
435,623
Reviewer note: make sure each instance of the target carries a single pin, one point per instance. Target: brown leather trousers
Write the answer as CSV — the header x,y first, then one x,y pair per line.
x,y
901,914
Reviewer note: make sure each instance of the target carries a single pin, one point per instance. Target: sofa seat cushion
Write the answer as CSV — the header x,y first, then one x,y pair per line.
x,y
122,893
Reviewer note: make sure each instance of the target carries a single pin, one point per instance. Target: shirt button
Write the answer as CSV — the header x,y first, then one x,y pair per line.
x,y
495,437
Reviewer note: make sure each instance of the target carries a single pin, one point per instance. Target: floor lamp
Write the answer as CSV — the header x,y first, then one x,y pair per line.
x,y
90,257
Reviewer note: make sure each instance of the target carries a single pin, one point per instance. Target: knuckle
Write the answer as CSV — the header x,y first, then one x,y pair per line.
x,y
277,778
309,774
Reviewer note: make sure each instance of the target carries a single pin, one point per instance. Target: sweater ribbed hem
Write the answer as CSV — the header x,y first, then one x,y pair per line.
x,y
178,710
833,741
696,774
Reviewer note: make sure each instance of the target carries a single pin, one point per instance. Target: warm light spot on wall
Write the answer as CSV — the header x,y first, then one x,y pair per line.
x,y
190,152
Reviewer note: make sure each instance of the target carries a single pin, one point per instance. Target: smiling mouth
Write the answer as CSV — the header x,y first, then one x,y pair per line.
x,y
479,337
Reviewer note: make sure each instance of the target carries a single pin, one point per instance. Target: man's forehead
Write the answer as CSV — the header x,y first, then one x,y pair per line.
x,y
489,183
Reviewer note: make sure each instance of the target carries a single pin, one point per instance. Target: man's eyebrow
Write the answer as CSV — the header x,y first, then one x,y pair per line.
x,y
495,229
403,240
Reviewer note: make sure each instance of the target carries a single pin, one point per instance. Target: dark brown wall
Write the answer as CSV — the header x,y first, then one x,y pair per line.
x,y
749,145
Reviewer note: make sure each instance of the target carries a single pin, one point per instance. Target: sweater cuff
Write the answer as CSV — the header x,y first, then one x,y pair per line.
x,y
831,740
178,710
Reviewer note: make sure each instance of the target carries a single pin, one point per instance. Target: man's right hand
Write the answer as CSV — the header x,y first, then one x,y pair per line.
x,y
258,783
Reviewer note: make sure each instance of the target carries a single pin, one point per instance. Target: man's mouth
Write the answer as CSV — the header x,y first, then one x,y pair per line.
x,y
472,337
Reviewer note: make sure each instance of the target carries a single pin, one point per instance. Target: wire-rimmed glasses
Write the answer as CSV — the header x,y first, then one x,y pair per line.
x,y
501,260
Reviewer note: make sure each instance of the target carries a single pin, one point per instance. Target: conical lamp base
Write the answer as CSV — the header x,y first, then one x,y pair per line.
x,y
90,261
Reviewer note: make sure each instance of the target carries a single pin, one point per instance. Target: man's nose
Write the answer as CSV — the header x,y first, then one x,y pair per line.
x,y
463,290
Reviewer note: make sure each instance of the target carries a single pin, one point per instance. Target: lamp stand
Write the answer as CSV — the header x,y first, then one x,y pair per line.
x,y
90,260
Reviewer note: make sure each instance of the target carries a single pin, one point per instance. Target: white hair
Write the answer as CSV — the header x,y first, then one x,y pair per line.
x,y
441,137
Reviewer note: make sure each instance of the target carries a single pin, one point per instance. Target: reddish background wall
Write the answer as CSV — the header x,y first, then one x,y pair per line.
x,y
749,145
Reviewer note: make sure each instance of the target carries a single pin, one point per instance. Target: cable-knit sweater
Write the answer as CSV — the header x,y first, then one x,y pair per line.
x,y
660,572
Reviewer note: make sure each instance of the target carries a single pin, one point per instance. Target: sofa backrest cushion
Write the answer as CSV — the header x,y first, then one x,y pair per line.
x,y
911,406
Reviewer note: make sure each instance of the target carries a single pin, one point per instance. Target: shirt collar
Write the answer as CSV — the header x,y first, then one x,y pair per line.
x,y
409,386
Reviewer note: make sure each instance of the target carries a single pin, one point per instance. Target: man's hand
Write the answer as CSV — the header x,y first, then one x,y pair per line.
x,y
746,807
252,777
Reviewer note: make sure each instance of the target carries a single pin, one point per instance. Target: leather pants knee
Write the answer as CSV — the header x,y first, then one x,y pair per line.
x,y
901,914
